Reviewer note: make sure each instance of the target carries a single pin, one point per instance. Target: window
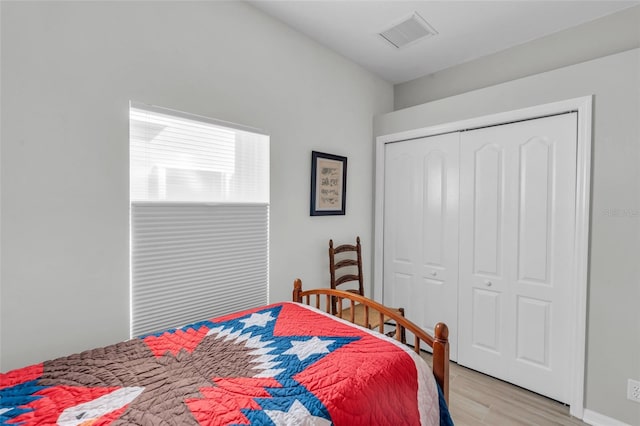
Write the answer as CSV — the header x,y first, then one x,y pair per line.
x,y
199,218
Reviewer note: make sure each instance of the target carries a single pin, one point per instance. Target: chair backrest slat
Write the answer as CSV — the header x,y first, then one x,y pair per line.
x,y
339,277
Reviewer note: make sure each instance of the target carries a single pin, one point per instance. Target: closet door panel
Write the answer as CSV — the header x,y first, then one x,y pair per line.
x,y
434,211
421,230
535,210
517,194
540,287
488,197
483,193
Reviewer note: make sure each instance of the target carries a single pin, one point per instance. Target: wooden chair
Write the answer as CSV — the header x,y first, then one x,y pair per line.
x,y
348,269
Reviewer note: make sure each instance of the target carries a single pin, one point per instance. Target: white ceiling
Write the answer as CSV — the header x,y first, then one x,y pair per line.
x,y
466,29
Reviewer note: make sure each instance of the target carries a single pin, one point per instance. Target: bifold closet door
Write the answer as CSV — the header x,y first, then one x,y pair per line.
x,y
421,231
517,210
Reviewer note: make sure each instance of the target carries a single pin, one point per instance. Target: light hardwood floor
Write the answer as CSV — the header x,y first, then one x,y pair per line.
x,y
477,399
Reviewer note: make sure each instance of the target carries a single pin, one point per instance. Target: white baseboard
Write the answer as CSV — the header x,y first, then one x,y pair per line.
x,y
597,419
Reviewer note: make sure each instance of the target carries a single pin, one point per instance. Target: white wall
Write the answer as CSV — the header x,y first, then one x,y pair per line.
x,y
69,70
605,36
613,334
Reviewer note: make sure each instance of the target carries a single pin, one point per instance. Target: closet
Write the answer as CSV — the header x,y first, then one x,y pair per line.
x,y
479,232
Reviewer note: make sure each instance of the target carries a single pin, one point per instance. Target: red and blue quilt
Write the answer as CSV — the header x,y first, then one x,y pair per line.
x,y
283,364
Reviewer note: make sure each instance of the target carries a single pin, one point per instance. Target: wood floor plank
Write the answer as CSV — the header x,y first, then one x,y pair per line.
x,y
476,399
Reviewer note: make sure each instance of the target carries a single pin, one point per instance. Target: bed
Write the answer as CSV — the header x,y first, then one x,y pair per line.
x,y
284,364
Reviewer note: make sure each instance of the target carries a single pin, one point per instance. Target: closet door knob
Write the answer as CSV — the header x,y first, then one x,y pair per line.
x,y
434,273
488,283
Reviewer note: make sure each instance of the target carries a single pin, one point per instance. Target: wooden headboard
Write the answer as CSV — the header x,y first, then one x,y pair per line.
x,y
439,343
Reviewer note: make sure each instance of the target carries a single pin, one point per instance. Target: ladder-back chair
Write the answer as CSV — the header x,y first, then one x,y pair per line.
x,y
345,266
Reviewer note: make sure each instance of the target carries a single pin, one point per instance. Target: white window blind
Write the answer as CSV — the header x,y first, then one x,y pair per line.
x,y
199,218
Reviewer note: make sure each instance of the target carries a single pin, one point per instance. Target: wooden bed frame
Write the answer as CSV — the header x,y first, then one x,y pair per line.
x,y
439,344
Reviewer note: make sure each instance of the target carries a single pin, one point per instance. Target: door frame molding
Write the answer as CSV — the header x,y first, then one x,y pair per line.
x,y
580,267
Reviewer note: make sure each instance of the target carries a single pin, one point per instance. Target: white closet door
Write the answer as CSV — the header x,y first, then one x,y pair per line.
x,y
517,201
421,231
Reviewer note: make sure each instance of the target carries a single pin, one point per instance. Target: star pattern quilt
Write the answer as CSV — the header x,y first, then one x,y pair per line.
x,y
283,364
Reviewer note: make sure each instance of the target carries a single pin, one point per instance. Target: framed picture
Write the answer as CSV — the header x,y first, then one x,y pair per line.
x,y
328,184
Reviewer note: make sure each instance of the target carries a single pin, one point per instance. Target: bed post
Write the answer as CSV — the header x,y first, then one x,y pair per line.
x,y
441,357
297,289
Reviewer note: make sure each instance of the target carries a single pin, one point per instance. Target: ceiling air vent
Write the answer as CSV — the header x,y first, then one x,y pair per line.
x,y
406,32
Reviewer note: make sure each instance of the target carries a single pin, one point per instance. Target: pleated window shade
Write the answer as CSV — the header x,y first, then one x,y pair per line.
x,y
199,218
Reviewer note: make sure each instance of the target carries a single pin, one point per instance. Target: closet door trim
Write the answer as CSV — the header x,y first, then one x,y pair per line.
x,y
583,106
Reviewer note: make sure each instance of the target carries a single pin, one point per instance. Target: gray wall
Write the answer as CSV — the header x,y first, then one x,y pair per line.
x,y
613,322
69,70
611,34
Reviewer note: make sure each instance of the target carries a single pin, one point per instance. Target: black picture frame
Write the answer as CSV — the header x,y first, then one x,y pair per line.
x,y
328,184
